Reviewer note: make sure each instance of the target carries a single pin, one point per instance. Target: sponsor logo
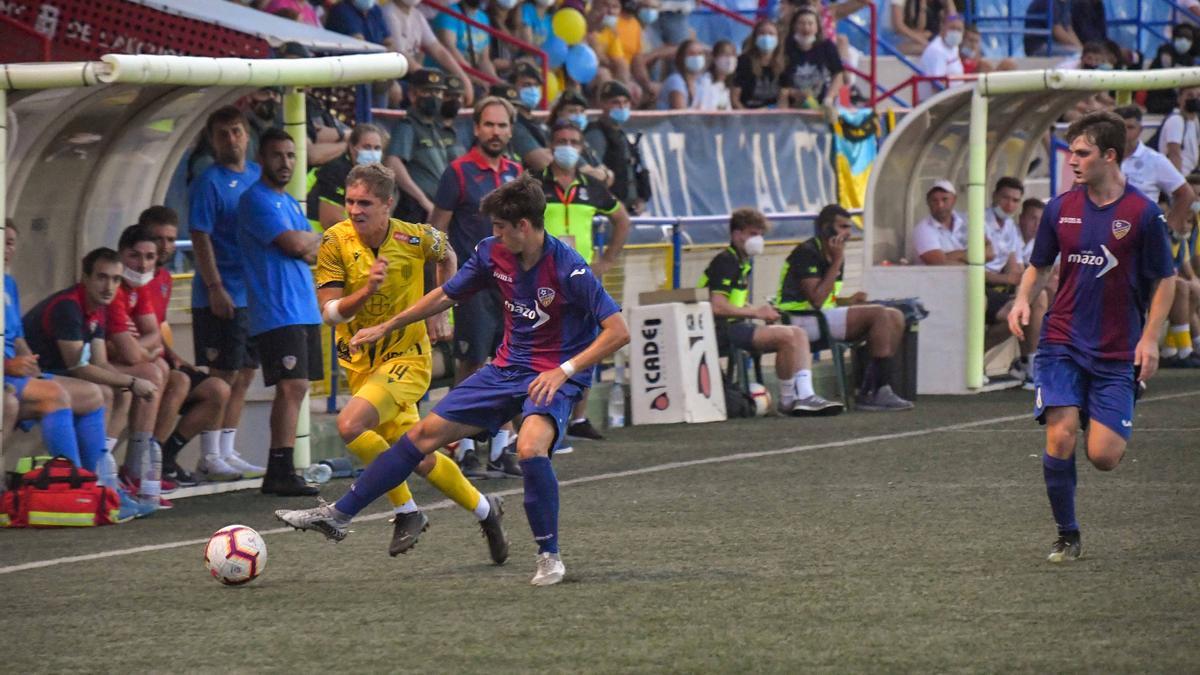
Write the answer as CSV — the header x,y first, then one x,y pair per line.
x,y
1067,220
211,354
1127,424
233,183
1120,228
414,240
652,374
1106,262
545,296
502,276
582,195
343,350
578,272
1038,403
288,362
534,313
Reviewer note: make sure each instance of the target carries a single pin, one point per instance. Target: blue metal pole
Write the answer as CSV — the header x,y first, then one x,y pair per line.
x,y
331,404
676,253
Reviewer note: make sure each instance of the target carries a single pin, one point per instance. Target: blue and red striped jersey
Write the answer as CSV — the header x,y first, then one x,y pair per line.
x,y
1112,259
552,311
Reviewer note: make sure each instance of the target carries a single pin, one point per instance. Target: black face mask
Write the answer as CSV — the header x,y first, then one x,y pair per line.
x,y
1192,105
265,110
428,106
450,108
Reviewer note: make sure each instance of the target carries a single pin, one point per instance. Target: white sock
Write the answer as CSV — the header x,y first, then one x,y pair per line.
x,y
1168,352
803,382
499,442
465,447
109,443
787,392
210,443
578,420
1185,352
227,438
409,506
483,509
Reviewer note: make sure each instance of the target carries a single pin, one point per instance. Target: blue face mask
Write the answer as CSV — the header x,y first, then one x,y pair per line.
x,y
368,157
566,156
364,5
580,119
766,42
647,15
619,115
694,63
1104,66
531,96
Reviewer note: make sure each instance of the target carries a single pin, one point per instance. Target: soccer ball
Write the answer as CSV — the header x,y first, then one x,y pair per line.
x,y
762,399
235,555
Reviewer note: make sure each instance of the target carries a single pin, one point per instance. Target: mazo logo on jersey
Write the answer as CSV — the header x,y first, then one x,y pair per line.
x,y
1107,261
534,313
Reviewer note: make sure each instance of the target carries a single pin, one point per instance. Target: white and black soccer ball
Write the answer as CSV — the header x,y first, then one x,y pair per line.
x,y
235,555
761,398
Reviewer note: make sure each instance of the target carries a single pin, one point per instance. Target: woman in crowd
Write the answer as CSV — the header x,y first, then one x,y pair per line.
x,y
756,79
712,89
679,90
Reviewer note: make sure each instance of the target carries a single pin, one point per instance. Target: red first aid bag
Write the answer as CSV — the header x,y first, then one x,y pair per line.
x,y
59,494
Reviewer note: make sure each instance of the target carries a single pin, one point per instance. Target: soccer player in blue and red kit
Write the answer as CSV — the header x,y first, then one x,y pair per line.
x,y
558,323
1097,342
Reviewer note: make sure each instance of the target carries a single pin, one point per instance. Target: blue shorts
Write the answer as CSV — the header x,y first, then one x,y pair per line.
x,y
493,396
1102,390
18,384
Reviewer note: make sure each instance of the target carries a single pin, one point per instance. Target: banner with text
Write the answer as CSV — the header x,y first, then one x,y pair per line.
x,y
712,163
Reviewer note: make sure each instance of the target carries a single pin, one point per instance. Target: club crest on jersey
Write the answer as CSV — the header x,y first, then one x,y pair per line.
x,y
289,362
582,194
1120,228
545,296
414,240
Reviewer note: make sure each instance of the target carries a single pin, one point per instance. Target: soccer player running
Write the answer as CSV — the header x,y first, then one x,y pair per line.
x,y
370,267
559,322
1097,343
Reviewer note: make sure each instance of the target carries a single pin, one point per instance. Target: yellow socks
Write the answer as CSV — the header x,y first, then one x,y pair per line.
x,y
449,479
369,445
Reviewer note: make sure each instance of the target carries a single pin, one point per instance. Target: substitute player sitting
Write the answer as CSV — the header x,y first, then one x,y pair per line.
x,y
1116,265
370,268
559,323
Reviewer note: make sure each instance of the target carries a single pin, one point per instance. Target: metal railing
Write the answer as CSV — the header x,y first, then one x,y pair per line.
x,y
1019,30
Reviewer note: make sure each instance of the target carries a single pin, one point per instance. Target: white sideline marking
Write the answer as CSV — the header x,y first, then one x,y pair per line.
x,y
446,503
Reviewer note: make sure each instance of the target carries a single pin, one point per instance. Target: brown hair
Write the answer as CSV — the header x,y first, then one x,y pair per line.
x,y
747,217
517,199
379,179
225,115
159,215
363,128
490,101
1103,129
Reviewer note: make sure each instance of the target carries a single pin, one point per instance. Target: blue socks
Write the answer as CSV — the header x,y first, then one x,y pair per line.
x,y
58,431
1060,488
383,473
89,437
541,502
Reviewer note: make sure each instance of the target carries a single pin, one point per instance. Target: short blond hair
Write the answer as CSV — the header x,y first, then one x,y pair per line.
x,y
379,179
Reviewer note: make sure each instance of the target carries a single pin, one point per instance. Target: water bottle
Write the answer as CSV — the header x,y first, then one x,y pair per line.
x,y
106,470
319,472
616,405
151,487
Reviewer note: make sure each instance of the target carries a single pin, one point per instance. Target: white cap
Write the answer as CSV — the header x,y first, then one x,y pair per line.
x,y
944,185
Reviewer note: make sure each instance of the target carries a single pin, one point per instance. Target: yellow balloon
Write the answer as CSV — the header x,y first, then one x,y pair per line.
x,y
569,25
554,86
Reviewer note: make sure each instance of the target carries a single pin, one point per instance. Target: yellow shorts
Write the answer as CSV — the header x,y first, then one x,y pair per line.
x,y
394,388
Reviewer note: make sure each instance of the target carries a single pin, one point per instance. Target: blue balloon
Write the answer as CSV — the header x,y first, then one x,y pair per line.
x,y
556,51
582,63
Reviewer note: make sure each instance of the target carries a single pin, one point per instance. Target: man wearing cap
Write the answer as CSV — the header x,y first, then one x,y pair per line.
x,y
607,138
530,137
941,237
421,147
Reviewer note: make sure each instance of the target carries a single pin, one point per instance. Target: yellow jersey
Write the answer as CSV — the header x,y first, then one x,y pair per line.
x,y
344,261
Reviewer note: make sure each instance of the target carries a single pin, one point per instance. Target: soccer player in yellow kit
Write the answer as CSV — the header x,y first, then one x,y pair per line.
x,y
369,268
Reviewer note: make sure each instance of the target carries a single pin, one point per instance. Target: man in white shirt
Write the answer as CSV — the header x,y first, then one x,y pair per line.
x,y
412,37
1154,174
1179,138
941,237
1002,273
1027,224
941,58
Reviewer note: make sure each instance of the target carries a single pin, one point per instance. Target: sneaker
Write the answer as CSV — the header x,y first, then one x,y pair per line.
x,y
131,508
1029,384
550,570
174,472
1019,369
1066,548
564,450
165,504
323,518
493,530
472,468
132,483
213,468
1176,362
507,465
812,406
408,526
882,400
287,485
583,431
234,461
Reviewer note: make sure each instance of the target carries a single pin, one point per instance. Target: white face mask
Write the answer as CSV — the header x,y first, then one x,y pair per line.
x,y
137,279
410,3
609,21
754,245
953,38
726,64
1001,214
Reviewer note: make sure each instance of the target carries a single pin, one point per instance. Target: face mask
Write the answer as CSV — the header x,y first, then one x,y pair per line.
x,y
368,157
531,96
580,119
1192,105
265,110
566,156
1001,214
766,42
609,21
806,41
966,52
1195,208
428,106
137,279
754,245
474,4
449,109
694,63
1104,66
621,116
364,5
726,64
647,15
506,4
953,38
1183,45
410,3
543,3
